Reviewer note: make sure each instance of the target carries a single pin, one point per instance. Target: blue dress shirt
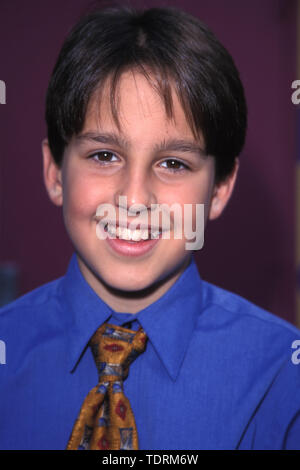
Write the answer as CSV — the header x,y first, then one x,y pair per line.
x,y
217,372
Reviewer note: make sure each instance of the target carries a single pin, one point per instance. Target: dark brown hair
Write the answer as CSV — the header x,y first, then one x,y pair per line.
x,y
177,48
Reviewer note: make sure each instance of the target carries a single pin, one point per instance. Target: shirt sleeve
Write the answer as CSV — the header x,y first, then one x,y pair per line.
x,y
292,437
275,424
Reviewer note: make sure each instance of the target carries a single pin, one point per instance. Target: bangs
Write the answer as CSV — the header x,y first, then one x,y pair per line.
x,y
160,81
174,51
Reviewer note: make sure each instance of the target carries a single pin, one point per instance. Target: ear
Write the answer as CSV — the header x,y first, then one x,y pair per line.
x,y
222,193
52,175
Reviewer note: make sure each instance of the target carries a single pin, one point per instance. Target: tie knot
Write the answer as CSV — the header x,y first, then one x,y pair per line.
x,y
114,348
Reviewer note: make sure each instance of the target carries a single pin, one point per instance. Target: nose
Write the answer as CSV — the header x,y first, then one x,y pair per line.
x,y
137,188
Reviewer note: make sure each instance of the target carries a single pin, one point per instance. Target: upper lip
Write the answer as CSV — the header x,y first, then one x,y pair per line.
x,y
130,225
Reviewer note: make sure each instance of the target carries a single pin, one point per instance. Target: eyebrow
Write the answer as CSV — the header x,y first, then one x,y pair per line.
x,y
180,145
176,145
104,138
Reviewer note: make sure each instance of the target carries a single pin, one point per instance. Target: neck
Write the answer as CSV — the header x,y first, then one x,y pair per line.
x,y
130,302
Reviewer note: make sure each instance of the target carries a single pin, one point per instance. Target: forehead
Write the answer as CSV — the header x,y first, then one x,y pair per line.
x,y
136,108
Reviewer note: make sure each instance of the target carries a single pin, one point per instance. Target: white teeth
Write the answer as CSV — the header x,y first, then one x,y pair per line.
x,y
123,233
137,235
111,230
145,234
154,234
127,234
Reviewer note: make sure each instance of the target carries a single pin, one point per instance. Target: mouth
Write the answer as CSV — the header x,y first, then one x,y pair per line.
x,y
138,234
128,242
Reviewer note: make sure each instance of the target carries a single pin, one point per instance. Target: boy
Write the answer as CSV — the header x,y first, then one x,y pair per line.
x,y
144,109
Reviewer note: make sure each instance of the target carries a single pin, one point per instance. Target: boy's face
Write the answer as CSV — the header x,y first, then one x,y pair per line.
x,y
139,163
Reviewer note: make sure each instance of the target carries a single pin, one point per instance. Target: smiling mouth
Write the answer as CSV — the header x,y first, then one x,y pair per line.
x,y
136,235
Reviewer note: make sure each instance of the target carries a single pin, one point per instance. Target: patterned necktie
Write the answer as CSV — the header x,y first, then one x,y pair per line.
x,y
106,420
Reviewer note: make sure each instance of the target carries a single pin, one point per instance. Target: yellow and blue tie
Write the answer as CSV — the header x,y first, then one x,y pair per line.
x,y
106,420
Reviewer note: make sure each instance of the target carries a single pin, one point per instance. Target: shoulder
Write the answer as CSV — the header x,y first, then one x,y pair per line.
x,y
245,331
261,352
30,325
232,306
36,297
40,304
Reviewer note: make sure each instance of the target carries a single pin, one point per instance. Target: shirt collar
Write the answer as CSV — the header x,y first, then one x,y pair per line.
x,y
169,322
86,311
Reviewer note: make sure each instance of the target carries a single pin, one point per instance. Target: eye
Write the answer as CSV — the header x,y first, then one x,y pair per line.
x,y
174,165
104,157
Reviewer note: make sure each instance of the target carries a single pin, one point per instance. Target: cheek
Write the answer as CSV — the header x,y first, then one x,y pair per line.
x,y
81,195
197,192
194,192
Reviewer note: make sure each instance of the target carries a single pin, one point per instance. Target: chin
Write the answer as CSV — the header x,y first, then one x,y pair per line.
x,y
129,285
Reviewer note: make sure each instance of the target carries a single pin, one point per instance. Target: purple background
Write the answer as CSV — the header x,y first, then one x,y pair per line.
x,y
251,248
